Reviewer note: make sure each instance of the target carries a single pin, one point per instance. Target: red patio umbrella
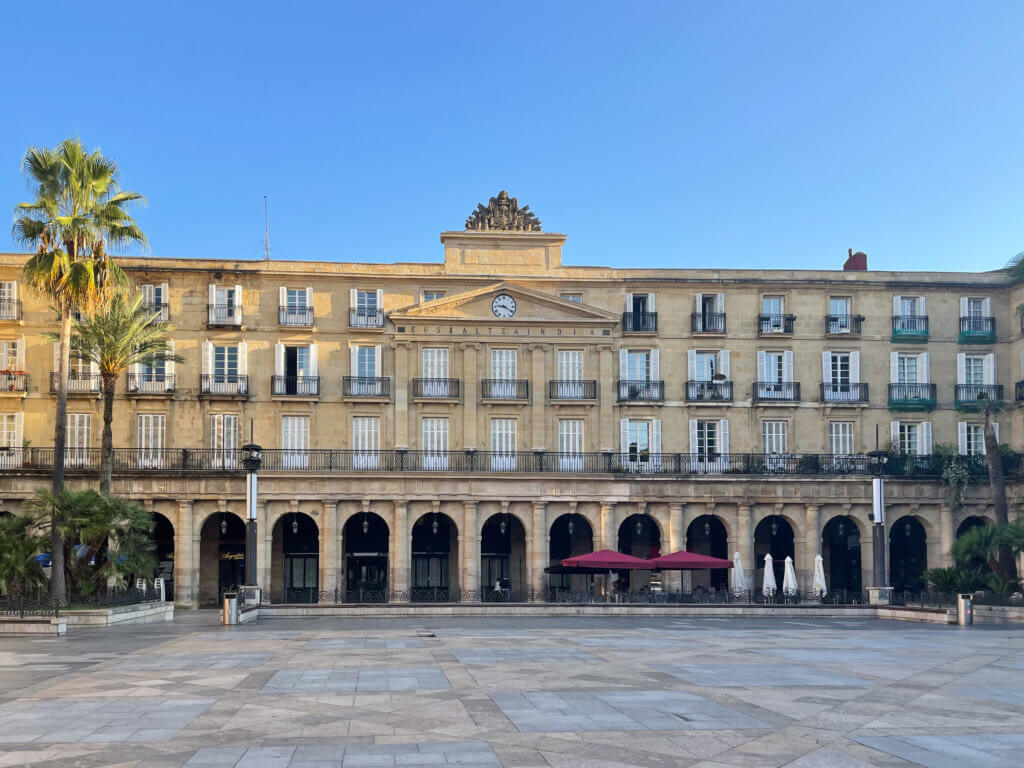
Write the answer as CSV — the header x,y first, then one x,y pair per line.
x,y
688,561
607,560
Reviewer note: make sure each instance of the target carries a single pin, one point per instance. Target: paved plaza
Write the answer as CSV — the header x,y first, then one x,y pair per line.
x,y
516,692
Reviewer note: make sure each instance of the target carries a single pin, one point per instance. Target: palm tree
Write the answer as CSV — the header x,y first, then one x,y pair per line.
x,y
19,545
115,337
996,481
79,214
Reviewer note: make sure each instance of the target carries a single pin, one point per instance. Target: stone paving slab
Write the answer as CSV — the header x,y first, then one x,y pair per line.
x,y
1000,695
626,641
553,711
357,680
521,655
194,661
364,643
981,750
466,754
756,675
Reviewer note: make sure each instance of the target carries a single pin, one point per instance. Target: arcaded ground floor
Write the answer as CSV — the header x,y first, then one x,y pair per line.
x,y
566,692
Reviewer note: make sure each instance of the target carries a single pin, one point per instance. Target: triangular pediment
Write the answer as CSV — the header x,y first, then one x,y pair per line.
x,y
530,306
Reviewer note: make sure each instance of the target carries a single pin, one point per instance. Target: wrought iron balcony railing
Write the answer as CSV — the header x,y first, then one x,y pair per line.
x,y
977,330
14,382
839,325
909,328
78,383
640,391
844,393
972,397
149,384
776,391
301,317
568,389
505,389
223,384
365,318
772,324
442,389
912,397
161,311
366,386
709,391
639,322
707,322
229,315
10,310
301,386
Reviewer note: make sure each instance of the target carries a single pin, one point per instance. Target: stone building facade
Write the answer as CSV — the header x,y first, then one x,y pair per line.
x,y
431,427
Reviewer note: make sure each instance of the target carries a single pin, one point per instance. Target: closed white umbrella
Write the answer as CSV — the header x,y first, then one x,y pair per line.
x,y
789,587
768,585
739,583
820,588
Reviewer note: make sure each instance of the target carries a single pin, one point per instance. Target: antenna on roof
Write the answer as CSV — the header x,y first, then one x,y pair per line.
x,y
266,228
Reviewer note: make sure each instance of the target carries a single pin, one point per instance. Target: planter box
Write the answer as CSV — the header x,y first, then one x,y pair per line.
x,y
140,613
32,626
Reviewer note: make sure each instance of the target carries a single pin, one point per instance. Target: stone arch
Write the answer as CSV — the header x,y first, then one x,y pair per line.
x,y
641,536
707,534
435,558
971,521
295,558
366,547
841,541
908,553
503,556
775,535
221,555
569,534
162,537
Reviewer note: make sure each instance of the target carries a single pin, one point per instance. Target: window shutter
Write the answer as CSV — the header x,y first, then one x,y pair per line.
x,y
826,367
894,367
624,363
380,299
924,312
212,295
787,365
650,302
282,296
655,365
995,429
629,302
986,306
353,298
760,366
314,362
56,357
691,364
309,298
896,304
961,437
238,296
723,436
894,434
20,356
963,310
207,357
94,368
723,362
926,438
720,303
698,302
169,362
215,431
147,295
165,294
353,361
855,367
243,359
624,435
989,368
693,436
377,360
19,429
279,359
923,375
655,435
961,367
14,290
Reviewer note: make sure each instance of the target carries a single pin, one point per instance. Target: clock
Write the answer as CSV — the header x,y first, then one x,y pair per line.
x,y
503,305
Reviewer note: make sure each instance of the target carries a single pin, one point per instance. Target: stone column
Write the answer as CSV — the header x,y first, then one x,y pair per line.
x,y
470,382
607,435
186,559
744,543
537,579
399,557
265,542
538,397
674,580
339,547
812,548
402,379
329,555
470,552
945,536
607,533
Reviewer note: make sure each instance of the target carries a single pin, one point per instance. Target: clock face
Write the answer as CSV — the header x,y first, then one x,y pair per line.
x,y
503,305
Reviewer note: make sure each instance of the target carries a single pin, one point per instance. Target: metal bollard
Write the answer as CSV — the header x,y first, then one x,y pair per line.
x,y
965,610
230,615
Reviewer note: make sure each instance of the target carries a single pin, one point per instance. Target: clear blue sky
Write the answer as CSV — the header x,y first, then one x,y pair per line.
x,y
675,134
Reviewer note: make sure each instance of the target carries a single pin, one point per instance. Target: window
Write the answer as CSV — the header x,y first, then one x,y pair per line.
x,y
707,438
367,301
296,298
840,438
435,362
503,444
577,297
151,430
907,369
225,305
640,443
709,445
296,369
155,297
569,385
434,295
224,440
435,443
774,367
773,437
225,362
772,310
77,450
11,354
974,369
975,307
705,367
9,300
504,372
224,368
638,366
839,314
365,441
570,445
908,442
910,306
295,442
974,439
840,369
912,438
641,303
10,438
366,308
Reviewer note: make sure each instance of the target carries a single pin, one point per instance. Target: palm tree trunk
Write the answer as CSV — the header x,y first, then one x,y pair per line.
x,y
107,450
994,461
58,585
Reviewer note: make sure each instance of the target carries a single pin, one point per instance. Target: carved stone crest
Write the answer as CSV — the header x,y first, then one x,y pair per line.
x,y
503,213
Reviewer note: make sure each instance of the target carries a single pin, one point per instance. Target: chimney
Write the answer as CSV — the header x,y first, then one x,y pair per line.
x,y
856,262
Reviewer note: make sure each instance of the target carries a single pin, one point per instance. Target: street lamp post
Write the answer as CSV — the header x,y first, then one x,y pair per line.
x,y
879,592
252,459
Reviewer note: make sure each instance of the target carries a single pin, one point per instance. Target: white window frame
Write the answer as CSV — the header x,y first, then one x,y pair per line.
x,y
434,443
366,442
295,442
150,439
570,445
224,440
504,442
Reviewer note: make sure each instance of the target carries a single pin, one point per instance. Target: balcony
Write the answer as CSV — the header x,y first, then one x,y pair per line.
x,y
843,325
776,391
13,381
844,394
161,312
977,330
78,384
365,318
709,391
297,386
149,384
504,389
224,315
366,387
10,310
707,322
224,385
972,397
773,325
639,322
909,328
639,391
436,389
571,389
911,397
296,317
